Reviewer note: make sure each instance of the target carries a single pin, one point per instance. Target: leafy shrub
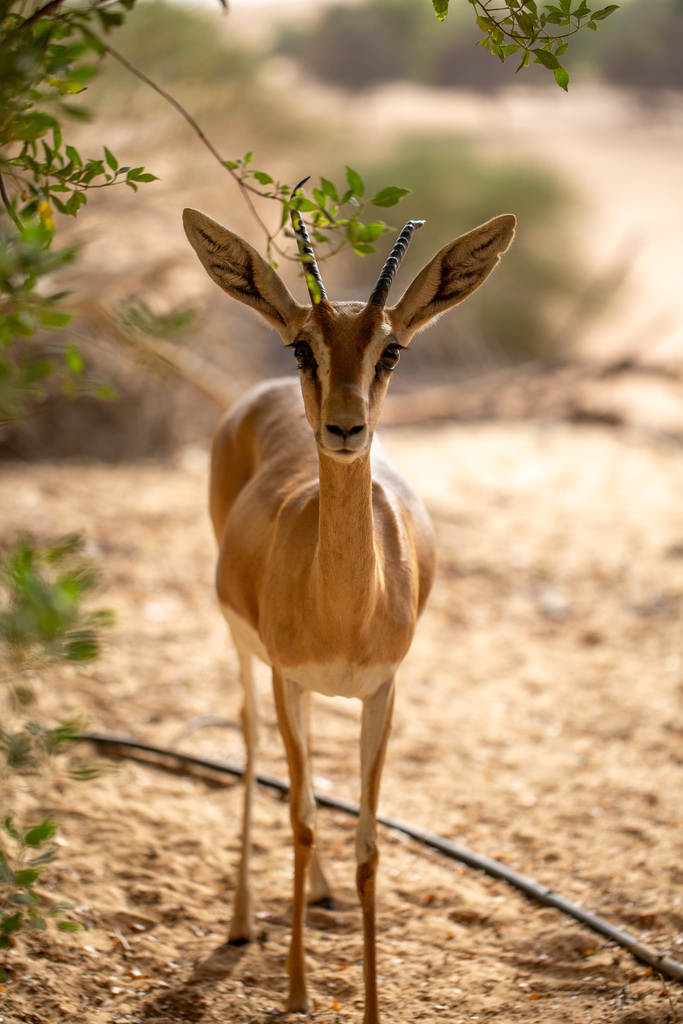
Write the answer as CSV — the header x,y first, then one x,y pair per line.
x,y
42,621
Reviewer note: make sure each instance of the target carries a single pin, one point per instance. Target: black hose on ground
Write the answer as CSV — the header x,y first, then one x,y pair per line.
x,y
660,962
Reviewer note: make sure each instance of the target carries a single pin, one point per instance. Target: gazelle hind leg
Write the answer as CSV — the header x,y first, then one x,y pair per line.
x,y
375,729
319,890
241,926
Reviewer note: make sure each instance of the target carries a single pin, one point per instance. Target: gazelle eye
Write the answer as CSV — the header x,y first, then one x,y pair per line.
x,y
390,357
304,356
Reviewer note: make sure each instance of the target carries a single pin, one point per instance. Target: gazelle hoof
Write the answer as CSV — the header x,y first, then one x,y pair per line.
x,y
299,1004
240,933
325,903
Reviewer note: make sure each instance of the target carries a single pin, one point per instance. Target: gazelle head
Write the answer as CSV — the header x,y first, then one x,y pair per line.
x,y
346,351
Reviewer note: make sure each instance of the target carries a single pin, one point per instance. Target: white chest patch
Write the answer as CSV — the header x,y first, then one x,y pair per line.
x,y
332,679
340,679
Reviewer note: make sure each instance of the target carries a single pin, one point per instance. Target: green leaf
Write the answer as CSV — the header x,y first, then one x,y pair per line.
x,y
352,229
11,923
389,196
68,926
355,182
111,159
371,232
440,8
303,204
83,649
562,78
329,189
44,858
21,899
26,876
10,829
34,125
362,248
75,202
546,58
66,87
604,13
262,178
313,287
74,359
40,833
74,156
109,19
52,319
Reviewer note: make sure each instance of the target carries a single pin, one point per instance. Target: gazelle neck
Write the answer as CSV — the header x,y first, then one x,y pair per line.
x,y
347,567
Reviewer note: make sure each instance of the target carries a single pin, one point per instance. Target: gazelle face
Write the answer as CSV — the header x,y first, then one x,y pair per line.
x,y
346,353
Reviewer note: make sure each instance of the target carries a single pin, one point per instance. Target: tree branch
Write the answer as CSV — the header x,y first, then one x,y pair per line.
x,y
42,12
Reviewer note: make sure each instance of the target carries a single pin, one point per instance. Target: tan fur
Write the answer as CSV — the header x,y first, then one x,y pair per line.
x,y
326,554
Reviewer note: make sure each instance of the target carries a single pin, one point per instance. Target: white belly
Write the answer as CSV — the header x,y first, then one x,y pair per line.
x,y
340,679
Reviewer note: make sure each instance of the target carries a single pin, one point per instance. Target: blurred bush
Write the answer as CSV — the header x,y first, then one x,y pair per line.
x,y
358,46
516,315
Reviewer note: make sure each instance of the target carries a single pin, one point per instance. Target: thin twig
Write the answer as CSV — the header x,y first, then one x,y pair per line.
x,y
8,204
668,996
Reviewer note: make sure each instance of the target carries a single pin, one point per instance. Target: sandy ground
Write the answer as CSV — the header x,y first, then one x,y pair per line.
x,y
539,720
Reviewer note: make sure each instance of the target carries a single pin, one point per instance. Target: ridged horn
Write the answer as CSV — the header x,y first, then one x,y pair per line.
x,y
306,249
381,289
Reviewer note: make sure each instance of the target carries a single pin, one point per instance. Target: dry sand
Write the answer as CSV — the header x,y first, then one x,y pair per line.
x,y
539,720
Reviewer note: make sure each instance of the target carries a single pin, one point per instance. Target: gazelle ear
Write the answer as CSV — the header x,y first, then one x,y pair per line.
x,y
453,274
239,270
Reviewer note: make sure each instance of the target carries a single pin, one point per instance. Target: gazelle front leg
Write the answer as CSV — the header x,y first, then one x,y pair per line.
x,y
376,726
291,705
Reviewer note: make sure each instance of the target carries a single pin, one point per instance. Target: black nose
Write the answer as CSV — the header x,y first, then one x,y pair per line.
x,y
340,432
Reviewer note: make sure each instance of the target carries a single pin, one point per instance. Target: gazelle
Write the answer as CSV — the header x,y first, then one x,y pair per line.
x,y
326,554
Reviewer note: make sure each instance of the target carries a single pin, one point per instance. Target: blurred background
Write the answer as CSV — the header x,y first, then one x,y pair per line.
x,y
591,289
